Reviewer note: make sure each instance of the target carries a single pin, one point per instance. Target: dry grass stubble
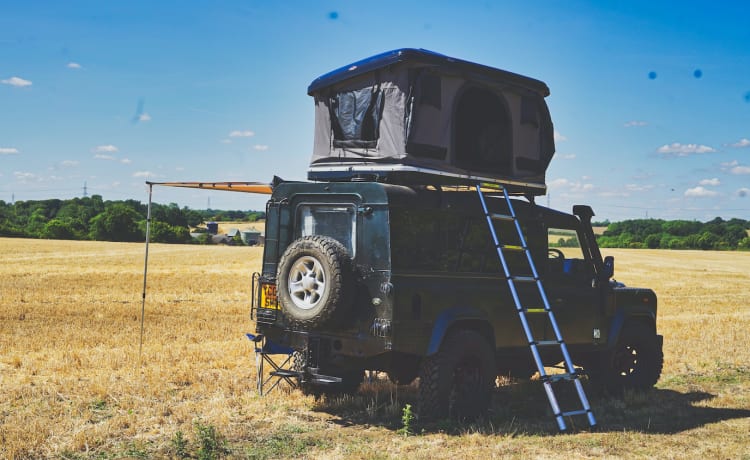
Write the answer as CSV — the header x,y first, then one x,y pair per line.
x,y
72,382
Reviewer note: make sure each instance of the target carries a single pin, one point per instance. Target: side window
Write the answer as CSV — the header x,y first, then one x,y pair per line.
x,y
337,221
355,117
566,255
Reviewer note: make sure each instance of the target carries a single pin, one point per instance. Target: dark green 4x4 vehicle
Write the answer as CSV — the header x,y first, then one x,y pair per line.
x,y
385,260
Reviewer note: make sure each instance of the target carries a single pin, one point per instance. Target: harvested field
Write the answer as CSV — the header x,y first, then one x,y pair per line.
x,y
73,385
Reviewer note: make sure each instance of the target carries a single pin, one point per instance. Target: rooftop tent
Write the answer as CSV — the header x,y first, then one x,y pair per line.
x,y
414,116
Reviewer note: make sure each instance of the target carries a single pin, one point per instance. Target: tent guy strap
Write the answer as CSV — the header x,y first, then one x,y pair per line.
x,y
245,187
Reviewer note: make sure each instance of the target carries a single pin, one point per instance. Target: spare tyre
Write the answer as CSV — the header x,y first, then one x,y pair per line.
x,y
316,281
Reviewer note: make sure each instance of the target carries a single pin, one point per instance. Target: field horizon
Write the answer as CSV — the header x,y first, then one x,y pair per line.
x,y
74,385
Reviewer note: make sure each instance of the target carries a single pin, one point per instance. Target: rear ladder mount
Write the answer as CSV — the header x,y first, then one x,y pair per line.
x,y
547,379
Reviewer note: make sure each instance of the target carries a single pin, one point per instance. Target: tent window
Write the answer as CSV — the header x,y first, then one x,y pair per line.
x,y
430,91
529,111
355,117
482,132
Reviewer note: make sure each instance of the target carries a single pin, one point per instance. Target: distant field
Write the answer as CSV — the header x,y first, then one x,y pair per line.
x,y
73,385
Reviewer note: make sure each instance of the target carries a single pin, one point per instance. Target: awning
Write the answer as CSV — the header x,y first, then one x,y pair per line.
x,y
246,187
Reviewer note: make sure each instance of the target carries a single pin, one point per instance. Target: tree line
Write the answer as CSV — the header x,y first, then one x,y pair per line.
x,y
92,218
718,234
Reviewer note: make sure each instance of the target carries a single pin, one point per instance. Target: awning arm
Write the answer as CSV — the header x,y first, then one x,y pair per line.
x,y
245,187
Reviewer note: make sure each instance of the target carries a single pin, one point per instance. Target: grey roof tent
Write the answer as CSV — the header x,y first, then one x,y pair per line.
x,y
415,116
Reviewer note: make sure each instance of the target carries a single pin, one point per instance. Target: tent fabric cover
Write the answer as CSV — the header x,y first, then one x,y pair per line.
x,y
416,108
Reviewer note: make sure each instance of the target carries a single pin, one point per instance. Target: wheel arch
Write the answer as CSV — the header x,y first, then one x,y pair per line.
x,y
459,318
623,317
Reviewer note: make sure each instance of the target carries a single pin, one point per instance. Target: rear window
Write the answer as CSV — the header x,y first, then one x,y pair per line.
x,y
335,221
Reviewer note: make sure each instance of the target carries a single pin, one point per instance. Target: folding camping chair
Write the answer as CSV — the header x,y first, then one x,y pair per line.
x,y
264,351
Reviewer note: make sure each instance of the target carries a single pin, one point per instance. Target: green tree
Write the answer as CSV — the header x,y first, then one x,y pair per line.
x,y
118,222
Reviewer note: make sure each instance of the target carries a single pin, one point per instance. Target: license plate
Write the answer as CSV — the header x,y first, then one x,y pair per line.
x,y
268,297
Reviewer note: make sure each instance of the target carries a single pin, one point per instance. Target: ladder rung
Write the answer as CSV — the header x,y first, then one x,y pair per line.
x,y
546,343
523,279
504,217
575,412
512,247
534,310
559,377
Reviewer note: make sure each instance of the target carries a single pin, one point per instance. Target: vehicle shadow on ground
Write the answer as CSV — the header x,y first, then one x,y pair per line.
x,y
523,409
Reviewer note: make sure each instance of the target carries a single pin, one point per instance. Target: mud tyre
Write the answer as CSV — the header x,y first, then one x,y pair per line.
x,y
636,361
457,381
316,282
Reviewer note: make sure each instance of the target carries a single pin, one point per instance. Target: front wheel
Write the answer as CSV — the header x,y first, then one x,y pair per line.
x,y
636,361
457,382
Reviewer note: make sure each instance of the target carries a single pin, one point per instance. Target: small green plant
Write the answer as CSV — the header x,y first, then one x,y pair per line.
x,y
407,419
211,446
180,445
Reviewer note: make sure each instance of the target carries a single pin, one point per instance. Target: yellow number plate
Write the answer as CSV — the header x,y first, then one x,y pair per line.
x,y
268,297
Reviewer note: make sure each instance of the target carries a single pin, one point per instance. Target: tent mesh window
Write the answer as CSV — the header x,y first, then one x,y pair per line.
x,y
482,132
355,117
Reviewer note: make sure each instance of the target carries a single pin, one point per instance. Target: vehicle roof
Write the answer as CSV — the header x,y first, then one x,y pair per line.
x,y
422,56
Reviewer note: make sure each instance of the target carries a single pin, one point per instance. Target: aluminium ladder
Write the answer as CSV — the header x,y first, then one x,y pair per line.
x,y
547,379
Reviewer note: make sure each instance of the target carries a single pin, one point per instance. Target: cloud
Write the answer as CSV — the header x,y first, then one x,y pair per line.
x,y
683,150
144,174
634,123
101,156
16,81
743,192
68,163
700,192
744,142
126,161
638,187
246,133
26,176
8,151
559,137
144,117
740,170
712,182
261,148
569,156
109,148
73,65
571,186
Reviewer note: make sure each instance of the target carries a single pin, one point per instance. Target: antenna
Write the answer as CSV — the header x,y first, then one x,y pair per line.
x,y
85,190
209,203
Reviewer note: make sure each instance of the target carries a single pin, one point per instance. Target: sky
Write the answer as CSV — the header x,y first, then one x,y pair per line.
x,y
650,100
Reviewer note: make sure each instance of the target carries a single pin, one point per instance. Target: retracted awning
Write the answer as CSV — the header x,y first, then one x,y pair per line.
x,y
245,187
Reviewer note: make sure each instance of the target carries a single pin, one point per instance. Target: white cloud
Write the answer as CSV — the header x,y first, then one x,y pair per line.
x,y
126,161
740,170
8,151
261,148
101,156
744,142
16,81
68,163
559,137
743,192
73,65
683,150
26,176
144,174
571,186
638,187
712,182
246,133
633,123
109,148
569,156
700,192
144,117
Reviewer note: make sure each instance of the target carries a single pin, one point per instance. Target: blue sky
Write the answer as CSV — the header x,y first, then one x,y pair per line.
x,y
650,100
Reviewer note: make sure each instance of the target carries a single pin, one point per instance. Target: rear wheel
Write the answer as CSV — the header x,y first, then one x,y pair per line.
x,y
457,382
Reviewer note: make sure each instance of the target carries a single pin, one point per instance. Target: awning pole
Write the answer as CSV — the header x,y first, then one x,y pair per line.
x,y
145,270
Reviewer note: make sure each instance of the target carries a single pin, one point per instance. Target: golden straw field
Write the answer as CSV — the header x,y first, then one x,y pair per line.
x,y
73,384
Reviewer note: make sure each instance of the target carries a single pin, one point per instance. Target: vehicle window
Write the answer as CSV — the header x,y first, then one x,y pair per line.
x,y
336,221
566,255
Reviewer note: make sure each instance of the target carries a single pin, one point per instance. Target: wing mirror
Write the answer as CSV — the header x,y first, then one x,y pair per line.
x,y
609,267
